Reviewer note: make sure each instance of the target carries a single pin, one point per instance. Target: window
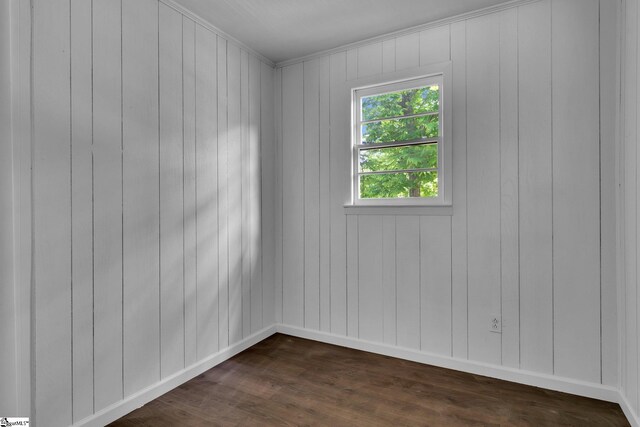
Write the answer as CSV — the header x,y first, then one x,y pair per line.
x,y
398,143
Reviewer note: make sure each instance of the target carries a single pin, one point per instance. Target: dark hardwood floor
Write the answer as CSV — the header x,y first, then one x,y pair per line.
x,y
291,381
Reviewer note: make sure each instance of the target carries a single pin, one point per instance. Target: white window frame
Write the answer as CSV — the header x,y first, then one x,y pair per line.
x,y
437,74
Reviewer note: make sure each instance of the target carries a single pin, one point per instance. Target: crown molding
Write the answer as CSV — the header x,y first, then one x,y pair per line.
x,y
209,26
410,30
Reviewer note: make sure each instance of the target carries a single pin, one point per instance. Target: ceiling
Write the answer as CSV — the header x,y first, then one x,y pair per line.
x,y
286,29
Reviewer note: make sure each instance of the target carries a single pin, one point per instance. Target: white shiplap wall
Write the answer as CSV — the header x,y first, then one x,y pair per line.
x,y
8,291
153,182
629,234
532,235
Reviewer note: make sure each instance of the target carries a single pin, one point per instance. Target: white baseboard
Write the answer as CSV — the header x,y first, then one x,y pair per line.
x,y
123,407
632,417
567,385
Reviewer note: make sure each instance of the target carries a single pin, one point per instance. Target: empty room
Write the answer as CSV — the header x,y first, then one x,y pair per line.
x,y
327,213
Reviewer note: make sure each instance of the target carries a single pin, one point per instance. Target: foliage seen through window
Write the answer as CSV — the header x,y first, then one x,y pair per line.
x,y
406,124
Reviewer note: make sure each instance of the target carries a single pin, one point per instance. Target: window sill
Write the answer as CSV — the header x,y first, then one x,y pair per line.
x,y
440,210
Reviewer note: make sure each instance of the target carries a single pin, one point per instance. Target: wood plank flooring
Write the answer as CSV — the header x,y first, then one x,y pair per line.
x,y
291,381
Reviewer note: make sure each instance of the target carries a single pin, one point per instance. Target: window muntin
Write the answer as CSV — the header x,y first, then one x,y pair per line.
x,y
398,142
405,129
417,157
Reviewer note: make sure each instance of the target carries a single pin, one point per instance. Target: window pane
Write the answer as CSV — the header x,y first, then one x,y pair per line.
x,y
399,130
401,103
399,185
424,156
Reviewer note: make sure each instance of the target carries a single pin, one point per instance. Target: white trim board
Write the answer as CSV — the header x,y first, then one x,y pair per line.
x,y
566,385
405,31
632,417
439,210
596,391
136,400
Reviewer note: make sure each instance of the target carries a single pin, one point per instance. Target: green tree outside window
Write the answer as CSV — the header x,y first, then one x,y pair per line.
x,y
409,121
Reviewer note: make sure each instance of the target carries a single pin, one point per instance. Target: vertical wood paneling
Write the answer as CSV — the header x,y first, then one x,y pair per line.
x,y
389,278
576,273
22,268
107,204
633,213
244,192
171,196
140,197
81,209
268,193
189,180
435,284
459,275
234,194
609,34
223,196
635,328
370,278
311,159
352,64
408,281
11,90
370,60
408,51
500,234
268,218
630,357
483,185
509,188
324,215
535,181
278,202
341,273
52,210
126,195
435,45
206,113
292,194
627,233
340,155
352,276
389,56
255,179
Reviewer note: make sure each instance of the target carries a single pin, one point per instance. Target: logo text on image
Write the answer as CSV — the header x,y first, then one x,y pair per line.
x,y
13,421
